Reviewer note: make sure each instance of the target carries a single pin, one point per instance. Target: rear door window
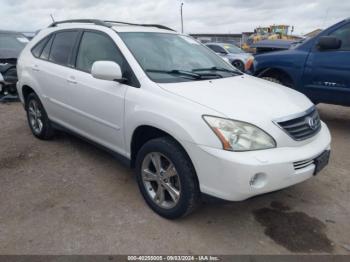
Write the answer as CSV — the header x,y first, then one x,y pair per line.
x,y
62,47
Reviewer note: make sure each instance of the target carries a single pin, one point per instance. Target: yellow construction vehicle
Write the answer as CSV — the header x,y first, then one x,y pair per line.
x,y
272,32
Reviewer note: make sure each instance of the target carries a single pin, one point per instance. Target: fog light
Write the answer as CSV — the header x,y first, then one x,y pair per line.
x,y
258,180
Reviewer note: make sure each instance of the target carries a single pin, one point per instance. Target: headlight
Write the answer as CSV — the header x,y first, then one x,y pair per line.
x,y
239,136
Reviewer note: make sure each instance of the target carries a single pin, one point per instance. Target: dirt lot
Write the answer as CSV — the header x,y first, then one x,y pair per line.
x,y
66,196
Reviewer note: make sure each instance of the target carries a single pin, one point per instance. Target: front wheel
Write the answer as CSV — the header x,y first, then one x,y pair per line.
x,y
167,179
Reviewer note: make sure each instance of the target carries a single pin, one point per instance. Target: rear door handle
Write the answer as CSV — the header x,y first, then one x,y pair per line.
x,y
36,68
71,80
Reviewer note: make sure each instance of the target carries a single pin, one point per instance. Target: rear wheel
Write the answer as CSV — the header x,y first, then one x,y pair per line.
x,y
38,120
167,179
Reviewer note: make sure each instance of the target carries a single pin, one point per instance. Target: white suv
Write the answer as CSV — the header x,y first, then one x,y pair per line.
x,y
188,121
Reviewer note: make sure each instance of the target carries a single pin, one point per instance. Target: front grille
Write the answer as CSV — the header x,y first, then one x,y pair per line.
x,y
302,164
302,126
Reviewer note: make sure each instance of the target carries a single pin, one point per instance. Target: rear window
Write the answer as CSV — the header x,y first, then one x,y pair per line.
x,y
62,47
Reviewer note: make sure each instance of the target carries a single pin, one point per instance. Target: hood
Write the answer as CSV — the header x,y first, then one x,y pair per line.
x,y
244,98
9,53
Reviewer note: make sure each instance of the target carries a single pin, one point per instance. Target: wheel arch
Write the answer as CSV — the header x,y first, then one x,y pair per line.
x,y
26,82
277,73
26,90
146,132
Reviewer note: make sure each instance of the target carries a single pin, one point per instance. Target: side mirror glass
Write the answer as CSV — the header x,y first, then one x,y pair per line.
x,y
328,43
106,70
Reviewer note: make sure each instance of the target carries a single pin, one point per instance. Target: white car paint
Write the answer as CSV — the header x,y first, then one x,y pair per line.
x,y
108,113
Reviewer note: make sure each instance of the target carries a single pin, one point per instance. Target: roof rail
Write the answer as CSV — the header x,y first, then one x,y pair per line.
x,y
106,23
85,21
147,25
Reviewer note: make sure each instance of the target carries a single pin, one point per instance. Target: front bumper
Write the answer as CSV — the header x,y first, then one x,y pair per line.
x,y
237,176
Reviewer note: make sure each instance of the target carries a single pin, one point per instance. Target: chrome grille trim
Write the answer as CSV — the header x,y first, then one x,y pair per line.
x,y
297,126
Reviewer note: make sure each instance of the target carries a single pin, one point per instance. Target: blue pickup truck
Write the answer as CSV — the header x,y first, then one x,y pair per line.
x,y
319,67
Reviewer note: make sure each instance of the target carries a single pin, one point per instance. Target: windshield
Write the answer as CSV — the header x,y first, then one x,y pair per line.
x,y
12,41
302,41
233,49
168,58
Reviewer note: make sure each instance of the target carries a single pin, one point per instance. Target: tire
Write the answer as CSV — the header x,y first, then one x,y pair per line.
x,y
239,65
183,178
38,120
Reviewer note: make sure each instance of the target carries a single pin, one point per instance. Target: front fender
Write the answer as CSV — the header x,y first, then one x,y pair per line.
x,y
180,118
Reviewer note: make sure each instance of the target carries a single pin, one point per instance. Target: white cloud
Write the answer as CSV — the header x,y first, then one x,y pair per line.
x,y
220,16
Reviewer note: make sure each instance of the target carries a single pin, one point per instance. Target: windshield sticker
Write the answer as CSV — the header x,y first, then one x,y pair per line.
x,y
189,40
22,39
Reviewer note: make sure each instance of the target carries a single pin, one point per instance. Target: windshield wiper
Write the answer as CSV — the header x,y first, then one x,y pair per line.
x,y
175,72
184,73
220,69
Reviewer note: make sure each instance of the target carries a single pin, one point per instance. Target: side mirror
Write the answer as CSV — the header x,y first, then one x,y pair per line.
x,y
107,70
328,43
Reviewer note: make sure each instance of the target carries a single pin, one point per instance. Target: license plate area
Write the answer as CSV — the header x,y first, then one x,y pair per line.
x,y
321,161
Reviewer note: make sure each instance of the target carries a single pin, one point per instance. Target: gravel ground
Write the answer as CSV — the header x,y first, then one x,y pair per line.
x,y
66,196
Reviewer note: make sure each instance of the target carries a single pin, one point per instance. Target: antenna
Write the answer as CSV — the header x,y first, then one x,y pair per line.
x,y
326,17
182,18
53,19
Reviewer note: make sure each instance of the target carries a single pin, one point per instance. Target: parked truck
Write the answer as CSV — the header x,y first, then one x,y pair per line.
x,y
319,67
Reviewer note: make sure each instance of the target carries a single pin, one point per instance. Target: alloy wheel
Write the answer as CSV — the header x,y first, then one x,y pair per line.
x,y
161,180
35,116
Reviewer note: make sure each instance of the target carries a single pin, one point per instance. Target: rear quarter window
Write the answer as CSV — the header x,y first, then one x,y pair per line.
x,y
38,48
46,51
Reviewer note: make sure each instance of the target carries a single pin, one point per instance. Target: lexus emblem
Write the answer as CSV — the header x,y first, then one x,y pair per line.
x,y
311,122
